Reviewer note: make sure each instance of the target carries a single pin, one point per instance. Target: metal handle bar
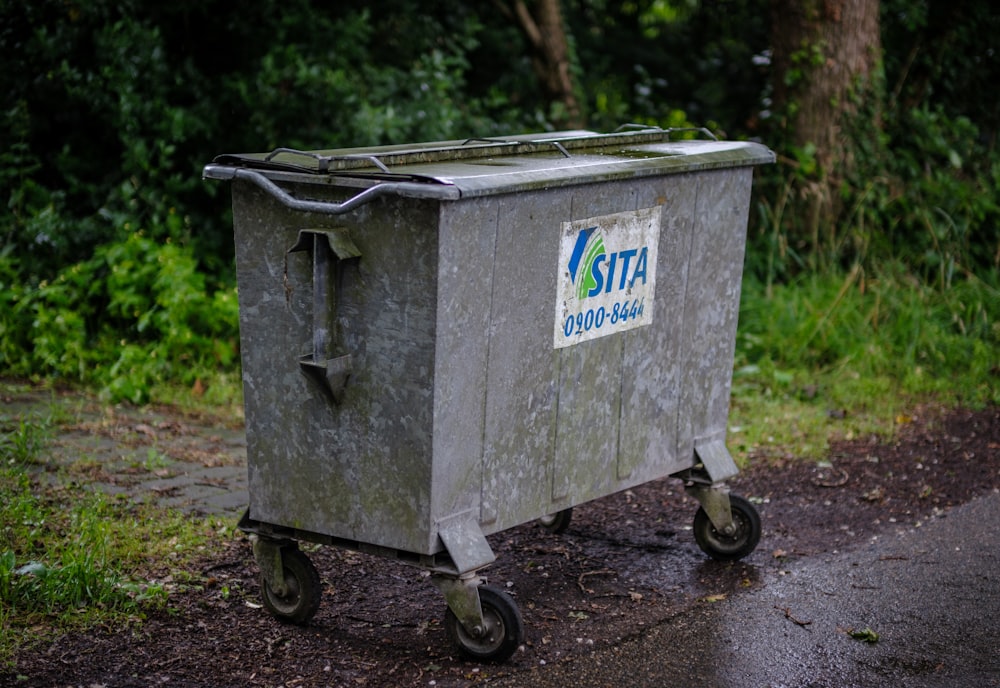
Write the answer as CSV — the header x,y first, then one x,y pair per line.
x,y
522,144
668,131
289,201
323,161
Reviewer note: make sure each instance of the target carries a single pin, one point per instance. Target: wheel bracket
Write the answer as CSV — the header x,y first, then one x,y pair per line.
x,y
267,553
714,499
462,595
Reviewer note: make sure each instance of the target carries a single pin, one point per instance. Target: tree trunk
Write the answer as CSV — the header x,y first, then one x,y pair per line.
x,y
825,55
542,26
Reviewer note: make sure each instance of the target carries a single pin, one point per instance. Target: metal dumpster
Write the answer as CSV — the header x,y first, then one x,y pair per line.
x,y
444,340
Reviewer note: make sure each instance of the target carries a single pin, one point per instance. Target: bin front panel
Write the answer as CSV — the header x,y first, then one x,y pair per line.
x,y
566,425
358,469
520,402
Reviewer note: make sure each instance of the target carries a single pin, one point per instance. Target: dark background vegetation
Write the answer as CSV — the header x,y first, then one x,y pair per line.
x,y
116,266
871,291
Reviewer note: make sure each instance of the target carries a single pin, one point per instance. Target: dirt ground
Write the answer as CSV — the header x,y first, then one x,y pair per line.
x,y
626,563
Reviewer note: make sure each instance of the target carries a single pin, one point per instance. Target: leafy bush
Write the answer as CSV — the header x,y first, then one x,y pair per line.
x,y
110,108
135,314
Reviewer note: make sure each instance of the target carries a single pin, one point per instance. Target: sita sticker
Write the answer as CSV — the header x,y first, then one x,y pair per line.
x,y
607,275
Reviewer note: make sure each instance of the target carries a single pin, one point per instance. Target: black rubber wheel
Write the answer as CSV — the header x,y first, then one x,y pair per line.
x,y
558,522
740,543
304,589
503,634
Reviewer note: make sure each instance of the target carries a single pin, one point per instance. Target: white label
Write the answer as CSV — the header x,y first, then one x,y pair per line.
x,y
607,275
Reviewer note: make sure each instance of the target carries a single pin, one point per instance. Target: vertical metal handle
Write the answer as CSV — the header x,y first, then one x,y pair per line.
x,y
328,247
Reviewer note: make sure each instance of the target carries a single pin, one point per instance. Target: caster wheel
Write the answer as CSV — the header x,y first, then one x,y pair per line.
x,y
558,522
503,632
300,603
738,544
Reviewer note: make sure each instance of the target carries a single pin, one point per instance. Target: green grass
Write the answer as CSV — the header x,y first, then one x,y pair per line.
x,y
22,443
70,557
844,355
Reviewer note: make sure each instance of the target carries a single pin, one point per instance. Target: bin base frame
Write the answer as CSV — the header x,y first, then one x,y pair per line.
x,y
494,634
440,564
491,636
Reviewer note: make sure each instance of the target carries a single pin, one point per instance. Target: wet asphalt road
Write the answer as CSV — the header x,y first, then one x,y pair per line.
x,y
925,605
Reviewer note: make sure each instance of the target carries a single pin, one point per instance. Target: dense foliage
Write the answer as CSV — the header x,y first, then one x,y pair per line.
x,y
116,258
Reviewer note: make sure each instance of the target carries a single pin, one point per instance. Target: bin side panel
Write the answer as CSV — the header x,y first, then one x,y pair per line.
x,y
468,236
360,469
712,305
652,362
273,326
519,428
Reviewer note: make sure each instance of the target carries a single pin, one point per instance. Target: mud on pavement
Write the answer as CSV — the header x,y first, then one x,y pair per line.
x,y
626,565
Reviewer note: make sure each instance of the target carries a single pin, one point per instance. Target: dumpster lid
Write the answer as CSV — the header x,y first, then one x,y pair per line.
x,y
509,163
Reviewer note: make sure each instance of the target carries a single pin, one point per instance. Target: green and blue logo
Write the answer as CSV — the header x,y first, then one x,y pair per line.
x,y
607,275
595,271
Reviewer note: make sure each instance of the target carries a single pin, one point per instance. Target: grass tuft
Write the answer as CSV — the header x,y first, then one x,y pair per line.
x,y
840,354
71,557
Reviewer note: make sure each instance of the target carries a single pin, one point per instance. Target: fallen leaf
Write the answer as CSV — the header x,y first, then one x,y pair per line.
x,y
715,598
865,634
874,495
788,615
146,430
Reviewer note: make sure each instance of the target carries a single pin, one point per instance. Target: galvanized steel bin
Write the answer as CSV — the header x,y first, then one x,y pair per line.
x,y
445,340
